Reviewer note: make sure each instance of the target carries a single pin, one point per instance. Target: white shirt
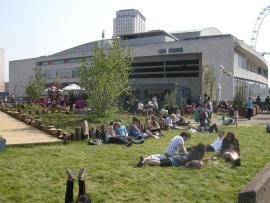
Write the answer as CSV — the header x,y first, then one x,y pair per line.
x,y
168,121
217,144
174,145
140,106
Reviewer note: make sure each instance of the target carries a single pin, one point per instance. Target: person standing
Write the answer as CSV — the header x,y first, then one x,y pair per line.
x,y
258,101
249,106
267,103
235,115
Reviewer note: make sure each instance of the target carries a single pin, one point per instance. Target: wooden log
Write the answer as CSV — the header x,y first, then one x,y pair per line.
x,y
78,133
73,137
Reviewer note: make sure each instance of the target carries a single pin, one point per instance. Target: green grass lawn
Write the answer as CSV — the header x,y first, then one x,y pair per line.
x,y
37,173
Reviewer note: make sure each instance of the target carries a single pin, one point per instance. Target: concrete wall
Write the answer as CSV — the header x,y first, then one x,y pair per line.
x,y
2,70
215,51
20,72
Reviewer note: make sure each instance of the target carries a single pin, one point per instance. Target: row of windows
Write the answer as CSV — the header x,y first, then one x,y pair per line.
x,y
62,74
168,75
60,61
166,63
170,50
165,69
241,61
161,69
249,88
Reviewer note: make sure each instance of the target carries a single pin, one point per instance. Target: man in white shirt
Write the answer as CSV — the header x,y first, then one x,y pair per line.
x,y
177,144
216,145
175,147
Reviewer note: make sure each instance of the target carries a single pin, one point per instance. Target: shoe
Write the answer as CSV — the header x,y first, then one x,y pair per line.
x,y
237,162
140,163
129,144
81,173
70,174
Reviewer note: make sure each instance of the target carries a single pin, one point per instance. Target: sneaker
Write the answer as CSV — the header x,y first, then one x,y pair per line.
x,y
81,173
140,163
70,174
237,162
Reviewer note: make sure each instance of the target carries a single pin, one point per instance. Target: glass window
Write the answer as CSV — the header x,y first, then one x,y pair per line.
x,y
175,50
162,51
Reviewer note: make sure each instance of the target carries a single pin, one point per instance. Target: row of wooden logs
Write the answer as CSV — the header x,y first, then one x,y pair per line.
x,y
59,133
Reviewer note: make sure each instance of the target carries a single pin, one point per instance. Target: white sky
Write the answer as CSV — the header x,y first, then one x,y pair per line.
x,y
32,28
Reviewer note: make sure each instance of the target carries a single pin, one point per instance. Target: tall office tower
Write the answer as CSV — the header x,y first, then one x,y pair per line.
x,y
2,70
128,21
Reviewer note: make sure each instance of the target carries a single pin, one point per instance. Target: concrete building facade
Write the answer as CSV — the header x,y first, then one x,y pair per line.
x,y
128,21
164,62
2,70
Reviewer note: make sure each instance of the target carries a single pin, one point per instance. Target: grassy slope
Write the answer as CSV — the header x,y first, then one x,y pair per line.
x,y
37,174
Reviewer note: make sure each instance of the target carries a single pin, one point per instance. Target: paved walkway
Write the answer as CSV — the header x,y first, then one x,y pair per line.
x,y
258,119
18,133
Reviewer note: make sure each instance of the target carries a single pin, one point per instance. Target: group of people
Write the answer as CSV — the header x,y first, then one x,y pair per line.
x,y
150,108
136,132
178,155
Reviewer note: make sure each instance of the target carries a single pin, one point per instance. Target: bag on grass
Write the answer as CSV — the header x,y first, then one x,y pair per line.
x,y
268,128
194,164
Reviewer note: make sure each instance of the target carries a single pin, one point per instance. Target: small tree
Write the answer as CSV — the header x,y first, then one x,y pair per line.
x,y
170,100
36,85
209,79
108,77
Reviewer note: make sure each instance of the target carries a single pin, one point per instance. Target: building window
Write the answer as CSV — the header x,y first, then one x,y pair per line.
x,y
162,51
175,50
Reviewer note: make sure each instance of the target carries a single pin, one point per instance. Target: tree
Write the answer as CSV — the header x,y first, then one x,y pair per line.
x,y
209,79
108,77
170,100
36,85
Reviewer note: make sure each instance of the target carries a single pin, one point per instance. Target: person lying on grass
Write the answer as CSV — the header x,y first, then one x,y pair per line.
x,y
176,146
82,197
177,160
230,150
216,145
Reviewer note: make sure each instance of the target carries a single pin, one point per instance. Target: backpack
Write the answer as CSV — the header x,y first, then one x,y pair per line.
x,y
228,121
268,128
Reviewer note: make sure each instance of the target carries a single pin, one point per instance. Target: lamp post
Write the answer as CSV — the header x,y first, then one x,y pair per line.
x,y
221,71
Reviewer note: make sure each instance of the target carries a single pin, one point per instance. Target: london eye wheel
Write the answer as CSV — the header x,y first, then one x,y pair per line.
x,y
257,26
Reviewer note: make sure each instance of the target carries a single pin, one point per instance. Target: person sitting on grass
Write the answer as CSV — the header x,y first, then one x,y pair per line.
x,y
230,150
182,159
152,126
136,132
110,137
82,197
170,122
180,119
120,129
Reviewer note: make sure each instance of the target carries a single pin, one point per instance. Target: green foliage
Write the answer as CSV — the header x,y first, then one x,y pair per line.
x,y
170,99
36,85
37,173
209,79
107,78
